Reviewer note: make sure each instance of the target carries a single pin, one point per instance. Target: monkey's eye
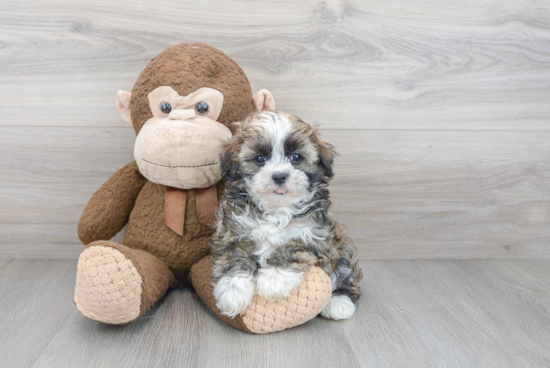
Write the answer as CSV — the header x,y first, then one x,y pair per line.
x,y
165,107
296,157
260,160
201,108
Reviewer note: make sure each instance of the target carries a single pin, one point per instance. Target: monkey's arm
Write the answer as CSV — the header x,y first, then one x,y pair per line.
x,y
109,208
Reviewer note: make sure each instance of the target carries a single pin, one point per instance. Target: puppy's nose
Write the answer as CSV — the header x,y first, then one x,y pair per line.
x,y
279,178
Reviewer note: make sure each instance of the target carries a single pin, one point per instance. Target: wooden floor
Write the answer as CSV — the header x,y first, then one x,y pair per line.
x,y
440,111
413,314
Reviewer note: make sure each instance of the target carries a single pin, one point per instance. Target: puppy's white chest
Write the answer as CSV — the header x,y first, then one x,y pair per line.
x,y
273,233
274,230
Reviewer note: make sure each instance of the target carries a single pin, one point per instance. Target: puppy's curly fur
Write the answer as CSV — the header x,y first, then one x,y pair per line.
x,y
274,218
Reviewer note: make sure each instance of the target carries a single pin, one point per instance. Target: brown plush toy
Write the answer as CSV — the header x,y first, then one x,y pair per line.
x,y
181,107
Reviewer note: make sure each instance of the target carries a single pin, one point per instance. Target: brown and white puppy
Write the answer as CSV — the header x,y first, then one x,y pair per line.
x,y
274,218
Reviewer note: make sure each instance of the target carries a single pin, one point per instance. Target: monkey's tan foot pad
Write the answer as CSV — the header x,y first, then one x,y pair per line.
x,y
263,316
108,286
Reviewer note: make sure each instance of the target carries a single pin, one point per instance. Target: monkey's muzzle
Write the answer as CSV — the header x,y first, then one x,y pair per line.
x,y
181,153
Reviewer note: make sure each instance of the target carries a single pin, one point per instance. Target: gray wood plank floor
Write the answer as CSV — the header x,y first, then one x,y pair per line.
x,y
470,313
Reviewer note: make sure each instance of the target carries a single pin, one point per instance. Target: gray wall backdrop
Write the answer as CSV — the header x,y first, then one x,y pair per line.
x,y
440,111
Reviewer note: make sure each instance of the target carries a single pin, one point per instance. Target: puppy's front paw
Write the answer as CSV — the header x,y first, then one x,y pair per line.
x,y
277,283
234,294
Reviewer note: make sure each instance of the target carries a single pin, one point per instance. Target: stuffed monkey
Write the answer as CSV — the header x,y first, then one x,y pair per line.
x,y
181,107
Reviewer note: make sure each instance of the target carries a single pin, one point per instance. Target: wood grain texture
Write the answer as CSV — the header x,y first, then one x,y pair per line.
x,y
380,65
35,300
412,314
404,194
440,111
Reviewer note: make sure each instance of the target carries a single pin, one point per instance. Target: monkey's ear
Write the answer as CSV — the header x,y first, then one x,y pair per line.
x,y
123,105
263,100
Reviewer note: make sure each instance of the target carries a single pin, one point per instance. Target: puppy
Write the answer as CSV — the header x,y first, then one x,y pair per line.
x,y
274,218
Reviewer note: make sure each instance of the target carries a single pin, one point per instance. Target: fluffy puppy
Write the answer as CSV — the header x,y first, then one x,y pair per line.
x,y
274,218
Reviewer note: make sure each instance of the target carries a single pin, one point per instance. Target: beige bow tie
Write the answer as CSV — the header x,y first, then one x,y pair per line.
x,y
174,207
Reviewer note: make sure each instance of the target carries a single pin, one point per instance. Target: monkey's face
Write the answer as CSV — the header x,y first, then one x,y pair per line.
x,y
179,146
181,108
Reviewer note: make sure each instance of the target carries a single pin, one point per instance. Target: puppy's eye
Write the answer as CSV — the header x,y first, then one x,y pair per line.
x,y
201,108
260,160
296,157
165,107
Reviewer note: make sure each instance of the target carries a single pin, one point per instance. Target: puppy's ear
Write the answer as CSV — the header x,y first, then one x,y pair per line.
x,y
326,156
229,158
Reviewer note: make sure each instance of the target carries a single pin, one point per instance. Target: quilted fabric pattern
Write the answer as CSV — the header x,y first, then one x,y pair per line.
x,y
108,286
306,301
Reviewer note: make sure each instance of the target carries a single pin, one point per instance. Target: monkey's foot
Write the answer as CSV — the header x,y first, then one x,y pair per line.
x,y
108,286
116,284
263,316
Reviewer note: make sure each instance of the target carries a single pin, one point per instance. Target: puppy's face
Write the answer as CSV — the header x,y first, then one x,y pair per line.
x,y
278,158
